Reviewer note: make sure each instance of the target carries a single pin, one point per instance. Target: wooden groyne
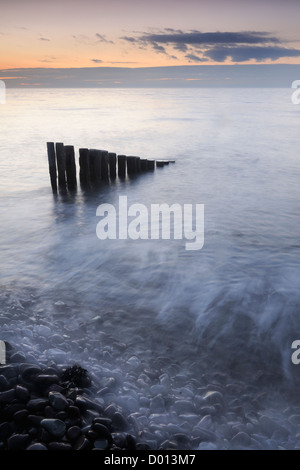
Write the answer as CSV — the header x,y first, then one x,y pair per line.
x,y
96,167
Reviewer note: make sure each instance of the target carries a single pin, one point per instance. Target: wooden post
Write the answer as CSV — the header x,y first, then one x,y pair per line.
x,y
95,157
143,163
84,163
131,165
122,166
150,165
61,165
138,164
160,163
52,165
104,165
70,167
112,159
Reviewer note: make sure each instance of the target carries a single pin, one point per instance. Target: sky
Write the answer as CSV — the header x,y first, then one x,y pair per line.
x,y
142,34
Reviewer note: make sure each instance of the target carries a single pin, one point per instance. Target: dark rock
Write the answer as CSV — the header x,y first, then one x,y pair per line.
x,y
35,420
110,410
45,436
58,401
49,412
22,393
4,430
20,416
17,357
4,384
91,435
9,371
142,446
119,422
7,396
73,433
82,443
101,444
28,371
59,446
73,412
11,409
241,440
55,427
84,403
18,441
130,442
105,421
101,430
62,415
37,446
44,380
37,404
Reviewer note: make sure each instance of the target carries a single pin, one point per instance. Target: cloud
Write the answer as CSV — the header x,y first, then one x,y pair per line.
x,y
195,58
97,61
241,54
44,39
217,46
102,38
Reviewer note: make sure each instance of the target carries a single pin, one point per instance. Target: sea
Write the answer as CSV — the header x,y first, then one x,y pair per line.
x,y
161,320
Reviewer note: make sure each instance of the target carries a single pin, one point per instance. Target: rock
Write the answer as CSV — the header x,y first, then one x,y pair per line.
x,y
37,446
84,403
7,396
157,404
101,444
55,427
101,430
45,380
213,397
241,439
49,412
134,362
203,434
35,420
294,419
119,422
82,444
9,371
58,401
59,446
37,404
268,425
4,384
206,422
184,406
22,393
17,357
20,416
18,441
4,430
73,433
73,412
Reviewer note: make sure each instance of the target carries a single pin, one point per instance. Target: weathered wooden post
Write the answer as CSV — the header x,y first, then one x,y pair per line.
x,y
61,165
131,165
84,163
104,165
122,166
95,157
112,159
52,165
70,167
150,165
143,164
138,164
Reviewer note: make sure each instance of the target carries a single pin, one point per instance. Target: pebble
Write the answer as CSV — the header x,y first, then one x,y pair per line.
x,y
241,439
37,446
58,401
55,427
18,441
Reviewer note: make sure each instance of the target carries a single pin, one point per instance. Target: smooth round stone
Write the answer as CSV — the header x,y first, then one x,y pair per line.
x,y
17,357
7,396
241,440
46,379
4,384
82,444
55,427
101,430
184,406
22,393
73,412
9,371
37,446
134,362
85,404
157,404
59,446
58,401
130,442
28,371
73,433
119,422
18,441
4,430
20,416
37,404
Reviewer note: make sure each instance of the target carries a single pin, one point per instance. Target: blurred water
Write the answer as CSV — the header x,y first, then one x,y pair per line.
x,y
236,152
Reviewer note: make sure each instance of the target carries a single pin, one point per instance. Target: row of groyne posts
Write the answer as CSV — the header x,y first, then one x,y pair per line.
x,y
95,166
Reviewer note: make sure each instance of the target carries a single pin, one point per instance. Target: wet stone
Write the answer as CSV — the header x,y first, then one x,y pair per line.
x,y
82,443
73,433
101,444
7,396
20,416
22,393
55,427
37,446
59,446
37,404
4,430
4,384
58,401
119,422
241,440
18,441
